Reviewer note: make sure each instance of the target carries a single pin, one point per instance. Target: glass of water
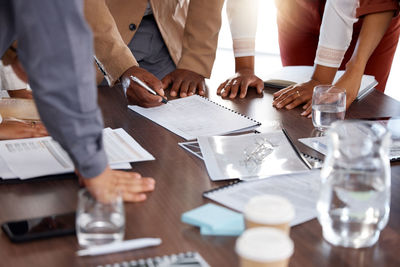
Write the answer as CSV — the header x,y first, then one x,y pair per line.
x,y
328,105
354,201
100,219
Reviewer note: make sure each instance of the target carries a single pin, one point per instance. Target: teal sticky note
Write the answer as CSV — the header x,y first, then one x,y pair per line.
x,y
234,228
213,217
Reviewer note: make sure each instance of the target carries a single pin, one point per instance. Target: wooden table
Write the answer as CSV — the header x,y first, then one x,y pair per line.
x,y
181,178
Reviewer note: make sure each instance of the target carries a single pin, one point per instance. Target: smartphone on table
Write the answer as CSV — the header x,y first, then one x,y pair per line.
x,y
38,228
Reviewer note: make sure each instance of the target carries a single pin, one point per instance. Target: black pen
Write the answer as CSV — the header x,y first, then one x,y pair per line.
x,y
297,150
145,86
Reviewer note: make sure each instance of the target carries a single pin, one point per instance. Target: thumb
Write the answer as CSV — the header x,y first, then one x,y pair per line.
x,y
259,86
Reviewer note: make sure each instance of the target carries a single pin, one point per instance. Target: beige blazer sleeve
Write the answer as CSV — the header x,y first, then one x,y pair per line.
x,y
201,36
111,53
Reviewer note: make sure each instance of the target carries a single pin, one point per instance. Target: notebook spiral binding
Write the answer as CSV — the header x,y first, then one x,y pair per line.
x,y
316,163
182,259
231,184
312,158
231,110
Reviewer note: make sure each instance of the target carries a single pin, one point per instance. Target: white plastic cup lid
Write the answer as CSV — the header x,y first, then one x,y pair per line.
x,y
269,209
264,244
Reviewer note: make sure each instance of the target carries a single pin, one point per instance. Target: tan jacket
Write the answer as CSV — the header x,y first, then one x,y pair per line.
x,y
192,47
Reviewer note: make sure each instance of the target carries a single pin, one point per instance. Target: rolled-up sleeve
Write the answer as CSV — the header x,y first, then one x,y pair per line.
x,y
55,47
242,16
336,32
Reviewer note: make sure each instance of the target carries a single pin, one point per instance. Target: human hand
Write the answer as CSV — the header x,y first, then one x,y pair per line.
x,y
329,95
242,79
131,185
294,95
184,82
21,93
351,82
20,129
136,94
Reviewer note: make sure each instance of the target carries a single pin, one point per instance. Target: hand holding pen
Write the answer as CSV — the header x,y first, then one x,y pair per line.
x,y
136,93
145,86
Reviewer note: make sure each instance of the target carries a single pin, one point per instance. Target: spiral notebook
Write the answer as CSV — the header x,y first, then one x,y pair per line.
x,y
195,116
301,189
188,259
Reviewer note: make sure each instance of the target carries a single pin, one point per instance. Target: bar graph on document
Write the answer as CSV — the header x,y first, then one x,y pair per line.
x,y
34,157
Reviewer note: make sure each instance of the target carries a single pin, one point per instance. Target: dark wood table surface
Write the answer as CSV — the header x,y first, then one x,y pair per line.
x,y
180,180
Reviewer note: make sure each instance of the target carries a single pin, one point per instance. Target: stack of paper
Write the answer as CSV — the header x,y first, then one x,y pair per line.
x,y
215,220
195,116
249,156
320,144
300,74
301,189
34,157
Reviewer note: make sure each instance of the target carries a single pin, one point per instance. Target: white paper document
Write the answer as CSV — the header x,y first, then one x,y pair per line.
x,y
320,143
301,189
192,147
299,74
249,156
34,157
195,116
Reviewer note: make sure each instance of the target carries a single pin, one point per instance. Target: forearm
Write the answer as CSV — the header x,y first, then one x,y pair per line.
x,y
244,63
323,74
201,36
112,54
55,48
376,23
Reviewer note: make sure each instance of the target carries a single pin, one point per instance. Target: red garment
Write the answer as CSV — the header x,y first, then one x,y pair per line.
x,y
299,23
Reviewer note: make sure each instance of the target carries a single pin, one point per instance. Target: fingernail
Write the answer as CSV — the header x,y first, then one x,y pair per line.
x,y
303,113
183,95
150,186
172,94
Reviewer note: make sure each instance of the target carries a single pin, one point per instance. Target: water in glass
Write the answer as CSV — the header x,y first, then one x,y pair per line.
x,y
324,115
328,105
99,222
354,201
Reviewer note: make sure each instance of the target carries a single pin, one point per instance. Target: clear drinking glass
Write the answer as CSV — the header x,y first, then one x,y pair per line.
x,y
99,220
328,105
354,200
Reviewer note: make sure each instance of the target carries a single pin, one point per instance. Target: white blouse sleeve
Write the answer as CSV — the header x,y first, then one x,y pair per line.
x,y
242,16
9,80
336,32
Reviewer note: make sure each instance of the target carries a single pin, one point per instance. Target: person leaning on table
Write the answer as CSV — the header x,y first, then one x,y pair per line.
x,y
15,87
336,32
370,51
55,48
171,40
12,77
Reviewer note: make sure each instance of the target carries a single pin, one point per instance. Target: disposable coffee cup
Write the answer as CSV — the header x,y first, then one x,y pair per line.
x,y
270,211
264,247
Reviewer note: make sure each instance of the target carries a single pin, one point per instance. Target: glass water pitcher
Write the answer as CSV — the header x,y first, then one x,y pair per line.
x,y
354,200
